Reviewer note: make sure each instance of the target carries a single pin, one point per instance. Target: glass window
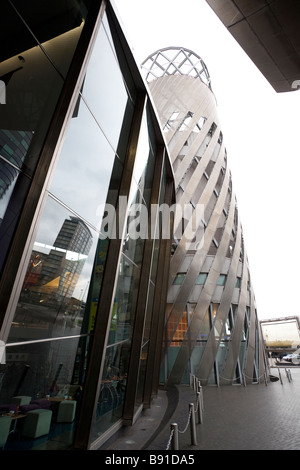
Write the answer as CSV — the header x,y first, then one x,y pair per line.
x,y
179,278
112,390
117,355
201,279
83,173
41,374
105,90
33,83
57,278
142,374
221,280
145,158
56,28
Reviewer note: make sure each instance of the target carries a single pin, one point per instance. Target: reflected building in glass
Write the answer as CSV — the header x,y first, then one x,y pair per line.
x,y
54,270
212,329
82,301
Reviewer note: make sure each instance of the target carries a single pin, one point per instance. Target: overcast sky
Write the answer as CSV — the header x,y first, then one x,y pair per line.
x,y
261,135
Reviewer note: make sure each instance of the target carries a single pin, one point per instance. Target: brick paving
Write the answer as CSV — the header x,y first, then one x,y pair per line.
x,y
255,417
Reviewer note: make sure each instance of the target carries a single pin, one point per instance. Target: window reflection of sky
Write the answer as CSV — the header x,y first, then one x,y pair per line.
x,y
86,150
87,153
104,89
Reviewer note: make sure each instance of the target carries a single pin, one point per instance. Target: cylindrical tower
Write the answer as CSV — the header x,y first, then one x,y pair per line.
x,y
211,322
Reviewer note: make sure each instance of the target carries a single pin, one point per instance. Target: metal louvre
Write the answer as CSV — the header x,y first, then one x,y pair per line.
x,y
175,60
227,354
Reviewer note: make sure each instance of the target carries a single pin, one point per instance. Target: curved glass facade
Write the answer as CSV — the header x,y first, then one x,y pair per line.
x,y
82,284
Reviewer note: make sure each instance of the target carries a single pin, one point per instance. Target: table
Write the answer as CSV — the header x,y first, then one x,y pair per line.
x,y
14,421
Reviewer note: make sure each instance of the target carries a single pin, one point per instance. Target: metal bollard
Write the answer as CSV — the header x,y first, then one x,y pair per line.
x,y
287,374
175,442
244,380
201,395
198,384
200,414
193,425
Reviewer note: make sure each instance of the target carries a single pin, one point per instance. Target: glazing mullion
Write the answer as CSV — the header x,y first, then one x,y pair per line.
x,y
159,306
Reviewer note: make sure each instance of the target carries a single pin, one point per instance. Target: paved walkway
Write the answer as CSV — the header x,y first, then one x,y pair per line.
x,y
255,417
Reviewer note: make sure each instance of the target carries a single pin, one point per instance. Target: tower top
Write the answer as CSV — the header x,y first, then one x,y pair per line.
x,y
175,61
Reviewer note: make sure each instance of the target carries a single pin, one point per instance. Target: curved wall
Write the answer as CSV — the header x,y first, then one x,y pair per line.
x,y
211,323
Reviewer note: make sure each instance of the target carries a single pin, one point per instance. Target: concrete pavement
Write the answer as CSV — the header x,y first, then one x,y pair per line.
x,y
255,417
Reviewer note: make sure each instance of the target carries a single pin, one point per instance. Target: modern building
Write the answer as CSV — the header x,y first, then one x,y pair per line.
x,y
211,329
99,303
269,34
82,288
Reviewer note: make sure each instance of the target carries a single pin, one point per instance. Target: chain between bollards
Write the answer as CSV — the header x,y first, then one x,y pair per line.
x,y
174,434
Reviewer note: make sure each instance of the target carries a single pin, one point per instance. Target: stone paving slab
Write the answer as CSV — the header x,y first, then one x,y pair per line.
x,y
255,417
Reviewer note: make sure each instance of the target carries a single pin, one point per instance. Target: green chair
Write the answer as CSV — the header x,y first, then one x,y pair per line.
x,y
66,411
37,423
21,400
5,423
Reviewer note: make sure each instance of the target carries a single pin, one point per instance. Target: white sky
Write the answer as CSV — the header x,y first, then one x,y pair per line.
x,y
260,129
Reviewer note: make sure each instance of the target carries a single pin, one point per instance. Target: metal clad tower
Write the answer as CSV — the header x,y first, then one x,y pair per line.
x,y
211,323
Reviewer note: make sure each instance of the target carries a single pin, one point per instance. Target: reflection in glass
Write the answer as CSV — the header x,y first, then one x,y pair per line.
x,y
145,158
113,382
142,375
139,215
33,85
145,346
201,342
57,278
55,28
88,154
104,90
112,390
123,312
